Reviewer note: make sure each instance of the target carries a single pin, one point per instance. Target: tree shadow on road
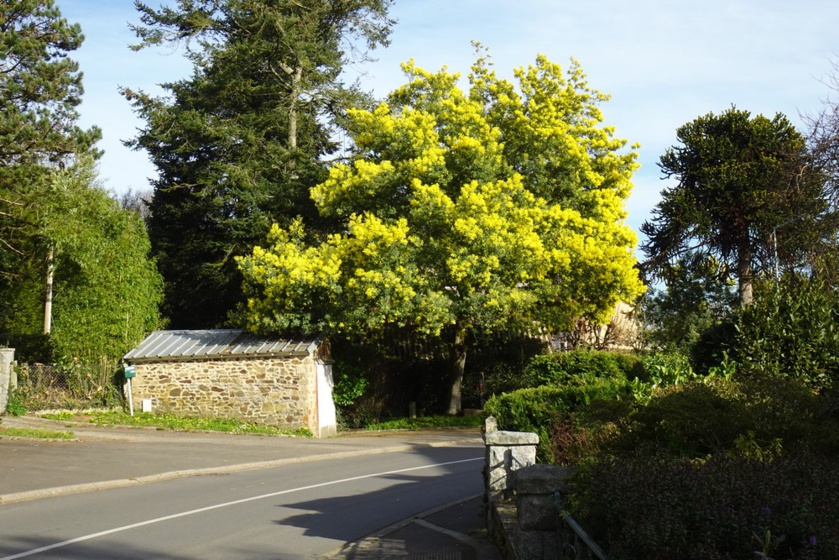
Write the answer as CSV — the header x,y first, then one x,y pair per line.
x,y
391,496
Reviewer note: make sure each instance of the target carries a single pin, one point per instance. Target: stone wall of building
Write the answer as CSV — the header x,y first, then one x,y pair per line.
x,y
279,392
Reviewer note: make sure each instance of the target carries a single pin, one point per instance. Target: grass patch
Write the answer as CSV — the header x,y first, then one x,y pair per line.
x,y
63,416
428,422
169,422
34,433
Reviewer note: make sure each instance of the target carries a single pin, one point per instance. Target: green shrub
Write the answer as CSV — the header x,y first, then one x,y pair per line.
x,y
712,468
577,365
538,409
717,415
527,409
576,437
713,347
690,420
666,368
791,330
15,405
790,411
350,384
629,364
545,369
659,369
693,419
659,508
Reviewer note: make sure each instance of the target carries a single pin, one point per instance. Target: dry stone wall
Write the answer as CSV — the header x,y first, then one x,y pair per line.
x,y
271,392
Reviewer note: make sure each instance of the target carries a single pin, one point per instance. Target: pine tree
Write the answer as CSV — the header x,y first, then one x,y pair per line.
x,y
40,90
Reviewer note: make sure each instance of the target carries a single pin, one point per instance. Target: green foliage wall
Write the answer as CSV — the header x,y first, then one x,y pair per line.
x,y
52,212
106,290
106,306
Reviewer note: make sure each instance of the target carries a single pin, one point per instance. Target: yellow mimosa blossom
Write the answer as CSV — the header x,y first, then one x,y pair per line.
x,y
499,204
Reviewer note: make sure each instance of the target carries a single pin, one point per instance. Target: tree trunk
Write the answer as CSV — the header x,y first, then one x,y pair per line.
x,y
744,273
48,295
296,87
457,365
296,92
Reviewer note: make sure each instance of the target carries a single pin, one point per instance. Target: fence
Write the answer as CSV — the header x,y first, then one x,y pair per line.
x,y
76,385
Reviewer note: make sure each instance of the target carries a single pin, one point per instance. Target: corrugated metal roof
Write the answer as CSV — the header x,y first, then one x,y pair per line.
x,y
220,343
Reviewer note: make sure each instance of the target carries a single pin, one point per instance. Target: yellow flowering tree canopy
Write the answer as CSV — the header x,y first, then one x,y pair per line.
x,y
494,208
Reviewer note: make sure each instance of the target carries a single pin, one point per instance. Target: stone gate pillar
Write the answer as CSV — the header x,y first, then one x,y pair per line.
x,y
505,452
8,376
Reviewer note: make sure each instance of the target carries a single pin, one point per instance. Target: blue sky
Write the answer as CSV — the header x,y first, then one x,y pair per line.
x,y
663,62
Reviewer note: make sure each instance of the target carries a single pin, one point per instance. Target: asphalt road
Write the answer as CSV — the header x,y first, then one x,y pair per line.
x,y
292,511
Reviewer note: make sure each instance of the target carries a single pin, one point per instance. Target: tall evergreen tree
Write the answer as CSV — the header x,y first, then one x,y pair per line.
x,y
40,90
238,145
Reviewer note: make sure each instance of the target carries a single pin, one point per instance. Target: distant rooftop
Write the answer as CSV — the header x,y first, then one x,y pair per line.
x,y
212,344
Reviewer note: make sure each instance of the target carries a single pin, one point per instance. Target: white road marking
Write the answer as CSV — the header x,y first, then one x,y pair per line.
x,y
219,506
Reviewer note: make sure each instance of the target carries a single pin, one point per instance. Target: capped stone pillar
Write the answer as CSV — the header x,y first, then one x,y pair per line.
x,y
8,376
506,452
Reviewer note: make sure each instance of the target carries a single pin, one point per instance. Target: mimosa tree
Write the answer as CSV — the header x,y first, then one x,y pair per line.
x,y
500,207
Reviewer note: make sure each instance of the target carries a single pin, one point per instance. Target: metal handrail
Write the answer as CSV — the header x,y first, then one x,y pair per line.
x,y
574,542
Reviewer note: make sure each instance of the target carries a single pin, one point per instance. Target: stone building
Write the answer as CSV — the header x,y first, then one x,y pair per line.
x,y
284,383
